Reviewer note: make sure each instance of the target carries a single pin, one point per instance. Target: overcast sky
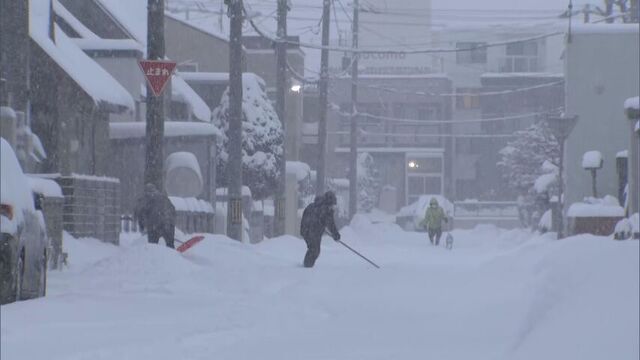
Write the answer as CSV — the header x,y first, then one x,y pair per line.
x,y
502,4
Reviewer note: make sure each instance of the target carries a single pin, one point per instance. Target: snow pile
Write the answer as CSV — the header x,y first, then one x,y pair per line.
x,y
545,222
46,187
14,188
300,169
183,176
592,160
518,297
90,76
622,154
593,207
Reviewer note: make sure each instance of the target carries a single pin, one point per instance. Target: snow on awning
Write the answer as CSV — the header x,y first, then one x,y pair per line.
x,y
89,76
130,130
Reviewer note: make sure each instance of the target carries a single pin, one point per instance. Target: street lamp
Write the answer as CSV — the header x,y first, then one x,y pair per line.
x,y
593,161
561,126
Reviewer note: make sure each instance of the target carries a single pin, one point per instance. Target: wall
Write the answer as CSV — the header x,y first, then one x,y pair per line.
x,y
127,164
211,54
601,73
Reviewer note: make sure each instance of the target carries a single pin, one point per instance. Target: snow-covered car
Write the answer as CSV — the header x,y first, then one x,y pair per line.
x,y
23,241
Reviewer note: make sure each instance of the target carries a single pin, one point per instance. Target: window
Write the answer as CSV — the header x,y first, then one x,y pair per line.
x,y
529,48
474,55
467,99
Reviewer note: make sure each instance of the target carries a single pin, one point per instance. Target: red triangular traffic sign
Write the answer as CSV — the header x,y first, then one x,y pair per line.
x,y
157,73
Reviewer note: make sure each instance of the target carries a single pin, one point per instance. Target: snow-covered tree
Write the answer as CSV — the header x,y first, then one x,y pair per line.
x,y
522,159
262,138
368,183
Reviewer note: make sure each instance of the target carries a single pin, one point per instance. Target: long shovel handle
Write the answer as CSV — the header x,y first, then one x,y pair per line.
x,y
357,253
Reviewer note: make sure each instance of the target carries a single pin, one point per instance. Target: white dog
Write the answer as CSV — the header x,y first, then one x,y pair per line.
x,y
449,241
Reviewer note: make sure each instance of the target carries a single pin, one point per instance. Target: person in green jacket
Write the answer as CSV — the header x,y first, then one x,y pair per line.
x,y
433,219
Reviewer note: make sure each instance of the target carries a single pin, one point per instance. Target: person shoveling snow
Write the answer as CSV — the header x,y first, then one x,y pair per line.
x,y
317,217
157,215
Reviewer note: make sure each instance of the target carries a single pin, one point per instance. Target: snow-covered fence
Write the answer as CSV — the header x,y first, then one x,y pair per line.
x,y
193,215
468,214
91,206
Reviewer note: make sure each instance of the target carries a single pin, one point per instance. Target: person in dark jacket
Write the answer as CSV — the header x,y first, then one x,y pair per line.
x,y
317,218
157,215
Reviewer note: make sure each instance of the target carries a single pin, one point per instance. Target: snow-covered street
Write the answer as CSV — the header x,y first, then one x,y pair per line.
x,y
498,295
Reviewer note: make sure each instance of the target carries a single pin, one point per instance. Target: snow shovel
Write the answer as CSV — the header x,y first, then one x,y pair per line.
x,y
186,245
357,253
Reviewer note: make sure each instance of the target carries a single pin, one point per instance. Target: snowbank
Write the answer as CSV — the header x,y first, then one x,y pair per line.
x,y
592,160
591,207
517,297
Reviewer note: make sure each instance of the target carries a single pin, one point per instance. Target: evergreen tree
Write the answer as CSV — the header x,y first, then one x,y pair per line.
x,y
522,159
262,139
368,183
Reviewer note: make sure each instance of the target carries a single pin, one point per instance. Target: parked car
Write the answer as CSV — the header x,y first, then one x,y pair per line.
x,y
23,242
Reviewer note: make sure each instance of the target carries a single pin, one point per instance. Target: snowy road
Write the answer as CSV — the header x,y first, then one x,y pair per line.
x,y
497,295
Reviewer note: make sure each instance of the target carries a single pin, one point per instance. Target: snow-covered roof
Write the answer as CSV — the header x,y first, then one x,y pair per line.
x,y
632,103
128,130
205,76
223,191
90,76
181,91
76,24
602,28
517,74
108,44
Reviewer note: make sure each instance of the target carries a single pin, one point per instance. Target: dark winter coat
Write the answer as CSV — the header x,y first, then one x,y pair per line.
x,y
154,211
317,217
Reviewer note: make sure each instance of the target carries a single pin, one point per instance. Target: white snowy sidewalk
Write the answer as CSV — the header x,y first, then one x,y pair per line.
x,y
498,295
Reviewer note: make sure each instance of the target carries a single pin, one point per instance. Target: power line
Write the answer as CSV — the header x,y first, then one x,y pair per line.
x,y
405,52
336,108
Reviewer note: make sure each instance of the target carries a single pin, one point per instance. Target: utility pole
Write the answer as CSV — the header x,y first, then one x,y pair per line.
x,y
323,88
234,165
281,85
154,156
353,156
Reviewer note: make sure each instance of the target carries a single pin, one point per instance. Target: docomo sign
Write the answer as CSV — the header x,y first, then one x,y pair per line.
x,y
157,73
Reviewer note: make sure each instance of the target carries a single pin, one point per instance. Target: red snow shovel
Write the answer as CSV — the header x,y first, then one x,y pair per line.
x,y
184,246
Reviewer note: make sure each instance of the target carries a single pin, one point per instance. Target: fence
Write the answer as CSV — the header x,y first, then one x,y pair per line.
x,y
192,216
468,214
